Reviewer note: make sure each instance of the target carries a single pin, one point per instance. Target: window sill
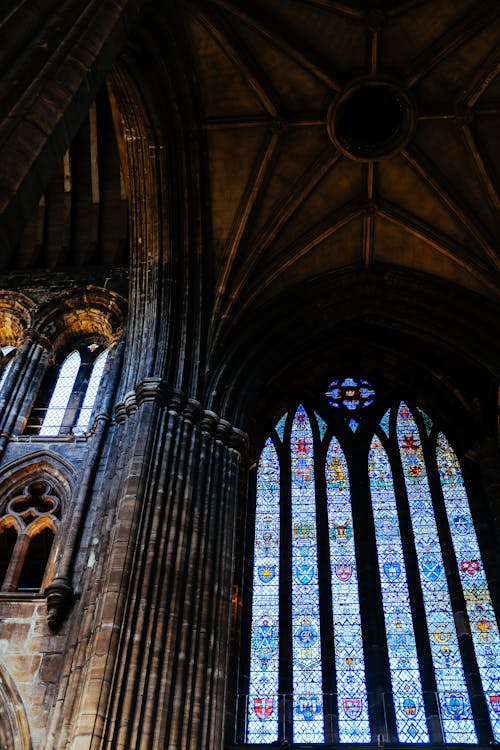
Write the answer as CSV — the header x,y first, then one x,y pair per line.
x,y
23,596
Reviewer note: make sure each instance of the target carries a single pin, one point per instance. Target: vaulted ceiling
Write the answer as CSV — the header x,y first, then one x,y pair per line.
x,y
286,202
308,170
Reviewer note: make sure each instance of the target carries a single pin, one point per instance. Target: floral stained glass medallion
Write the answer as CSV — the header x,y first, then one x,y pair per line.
x,y
350,393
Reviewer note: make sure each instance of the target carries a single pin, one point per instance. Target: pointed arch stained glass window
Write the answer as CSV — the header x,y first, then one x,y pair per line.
x,y
307,683
264,661
484,627
349,661
314,636
456,715
403,660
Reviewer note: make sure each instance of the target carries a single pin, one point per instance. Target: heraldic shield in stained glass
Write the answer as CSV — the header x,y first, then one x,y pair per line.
x,y
305,596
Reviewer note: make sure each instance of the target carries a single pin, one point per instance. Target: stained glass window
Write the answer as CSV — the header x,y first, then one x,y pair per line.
x,y
321,598
403,660
456,715
307,684
264,666
483,624
349,662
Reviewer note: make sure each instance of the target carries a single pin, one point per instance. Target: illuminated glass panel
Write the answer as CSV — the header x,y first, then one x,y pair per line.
x,y
60,397
322,425
482,619
403,660
262,725
349,662
82,424
427,421
280,427
5,371
350,393
456,716
306,668
384,422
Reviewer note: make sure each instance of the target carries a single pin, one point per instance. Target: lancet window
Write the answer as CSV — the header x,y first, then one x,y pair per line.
x,y
365,557
28,525
69,392
6,359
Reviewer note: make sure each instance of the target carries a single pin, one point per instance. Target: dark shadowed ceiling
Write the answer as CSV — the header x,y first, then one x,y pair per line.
x,y
286,203
294,187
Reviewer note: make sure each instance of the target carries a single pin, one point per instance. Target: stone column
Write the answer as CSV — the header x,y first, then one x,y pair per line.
x,y
157,668
27,372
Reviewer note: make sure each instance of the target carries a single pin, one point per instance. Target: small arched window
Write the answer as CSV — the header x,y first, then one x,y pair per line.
x,y
73,389
27,529
7,357
365,564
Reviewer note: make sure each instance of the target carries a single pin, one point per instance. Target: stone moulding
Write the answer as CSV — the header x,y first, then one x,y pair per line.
x,y
176,402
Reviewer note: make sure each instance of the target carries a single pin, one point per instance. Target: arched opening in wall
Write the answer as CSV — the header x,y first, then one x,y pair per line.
x,y
35,561
8,539
69,391
29,518
369,600
364,558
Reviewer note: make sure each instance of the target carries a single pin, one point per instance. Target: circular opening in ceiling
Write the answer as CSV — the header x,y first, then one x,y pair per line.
x,y
372,118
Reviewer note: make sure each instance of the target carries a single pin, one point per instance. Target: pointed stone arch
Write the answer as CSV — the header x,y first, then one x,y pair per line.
x,y
14,726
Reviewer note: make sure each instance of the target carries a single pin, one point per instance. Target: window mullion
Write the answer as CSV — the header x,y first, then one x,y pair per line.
x,y
16,563
376,657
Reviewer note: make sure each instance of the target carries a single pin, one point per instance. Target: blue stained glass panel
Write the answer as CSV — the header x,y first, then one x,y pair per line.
x,y
308,713
353,425
349,661
280,427
384,422
403,661
456,715
262,723
321,424
483,624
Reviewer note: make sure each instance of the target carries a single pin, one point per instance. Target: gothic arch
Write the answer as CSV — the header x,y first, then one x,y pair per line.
x,y
39,465
391,318
90,312
16,316
14,726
